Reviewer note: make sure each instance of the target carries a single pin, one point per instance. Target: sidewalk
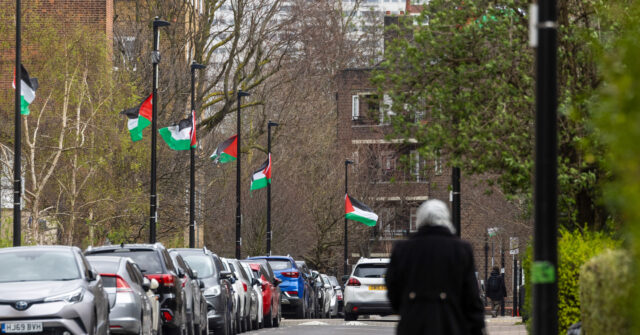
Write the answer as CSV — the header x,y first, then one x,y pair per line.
x,y
505,325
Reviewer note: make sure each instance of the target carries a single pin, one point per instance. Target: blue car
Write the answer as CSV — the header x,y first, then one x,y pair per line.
x,y
295,290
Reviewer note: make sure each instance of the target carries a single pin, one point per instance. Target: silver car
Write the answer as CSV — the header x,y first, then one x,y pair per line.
x,y
331,292
256,297
126,287
51,289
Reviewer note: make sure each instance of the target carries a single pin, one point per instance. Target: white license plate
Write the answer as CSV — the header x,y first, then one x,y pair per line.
x,y
21,327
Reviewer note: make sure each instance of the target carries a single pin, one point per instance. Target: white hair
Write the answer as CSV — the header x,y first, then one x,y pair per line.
x,y
434,213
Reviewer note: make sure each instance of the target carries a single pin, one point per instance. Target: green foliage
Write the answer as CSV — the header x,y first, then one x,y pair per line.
x,y
574,249
468,67
605,286
617,120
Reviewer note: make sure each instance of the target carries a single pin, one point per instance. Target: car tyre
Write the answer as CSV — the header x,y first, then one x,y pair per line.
x,y
350,316
268,320
300,311
278,318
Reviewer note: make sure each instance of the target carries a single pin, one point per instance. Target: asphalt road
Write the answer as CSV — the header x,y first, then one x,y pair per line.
x,y
376,326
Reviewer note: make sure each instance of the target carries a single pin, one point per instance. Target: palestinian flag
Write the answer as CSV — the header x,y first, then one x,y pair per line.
x,y
139,118
227,151
262,177
28,87
357,211
181,135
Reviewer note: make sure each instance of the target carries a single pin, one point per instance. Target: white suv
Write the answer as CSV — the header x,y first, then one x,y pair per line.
x,y
365,292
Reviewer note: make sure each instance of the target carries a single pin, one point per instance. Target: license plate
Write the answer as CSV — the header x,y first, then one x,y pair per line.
x,y
377,288
21,327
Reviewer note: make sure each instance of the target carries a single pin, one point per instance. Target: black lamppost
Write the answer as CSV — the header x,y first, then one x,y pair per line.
x,y
503,272
346,231
455,199
545,251
486,265
17,174
269,125
155,59
192,181
238,189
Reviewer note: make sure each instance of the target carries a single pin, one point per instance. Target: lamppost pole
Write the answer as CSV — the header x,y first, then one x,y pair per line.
x,y
503,272
192,180
346,230
455,197
17,174
269,235
486,265
545,253
238,169
155,59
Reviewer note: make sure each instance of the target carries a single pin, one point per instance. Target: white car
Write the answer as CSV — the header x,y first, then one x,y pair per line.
x,y
365,292
242,296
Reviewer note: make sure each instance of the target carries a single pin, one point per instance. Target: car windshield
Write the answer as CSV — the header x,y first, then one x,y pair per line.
x,y
148,260
38,265
371,270
280,264
202,264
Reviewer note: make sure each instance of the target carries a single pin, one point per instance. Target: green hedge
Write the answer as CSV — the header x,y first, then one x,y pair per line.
x,y
575,248
605,293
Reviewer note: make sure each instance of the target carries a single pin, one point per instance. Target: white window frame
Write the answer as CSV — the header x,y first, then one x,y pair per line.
x,y
355,107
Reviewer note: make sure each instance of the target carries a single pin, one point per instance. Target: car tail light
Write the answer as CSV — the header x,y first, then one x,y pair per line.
x,y
353,282
166,315
355,309
292,293
121,284
291,274
163,279
244,286
339,296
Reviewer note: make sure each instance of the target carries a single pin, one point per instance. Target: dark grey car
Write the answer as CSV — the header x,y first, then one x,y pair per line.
x,y
196,303
217,288
51,289
126,288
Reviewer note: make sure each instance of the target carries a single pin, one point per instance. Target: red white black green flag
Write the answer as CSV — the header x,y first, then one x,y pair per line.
x,y
357,211
28,87
180,136
227,151
139,118
262,177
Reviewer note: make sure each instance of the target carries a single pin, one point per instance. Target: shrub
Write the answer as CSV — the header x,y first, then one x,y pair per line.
x,y
574,249
605,290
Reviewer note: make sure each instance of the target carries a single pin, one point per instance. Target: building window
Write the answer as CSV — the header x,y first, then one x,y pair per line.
x,y
437,163
355,107
417,166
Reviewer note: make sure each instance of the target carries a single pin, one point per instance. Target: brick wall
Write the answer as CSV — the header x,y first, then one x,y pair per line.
x,y
482,206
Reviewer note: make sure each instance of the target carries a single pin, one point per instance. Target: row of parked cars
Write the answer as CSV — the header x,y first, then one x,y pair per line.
x,y
148,289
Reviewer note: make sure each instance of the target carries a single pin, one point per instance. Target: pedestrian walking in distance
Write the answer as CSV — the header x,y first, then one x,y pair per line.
x,y
496,290
431,278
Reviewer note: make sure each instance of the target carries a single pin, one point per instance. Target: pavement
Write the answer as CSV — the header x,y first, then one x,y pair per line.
x,y
376,325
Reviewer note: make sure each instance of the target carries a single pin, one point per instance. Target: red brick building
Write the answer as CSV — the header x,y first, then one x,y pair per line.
x,y
391,177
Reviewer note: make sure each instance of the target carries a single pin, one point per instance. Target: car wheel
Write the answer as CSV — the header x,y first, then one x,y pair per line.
x,y
255,324
94,329
278,318
300,311
268,320
350,316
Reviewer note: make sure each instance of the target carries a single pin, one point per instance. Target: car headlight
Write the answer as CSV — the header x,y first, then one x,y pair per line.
x,y
212,291
69,297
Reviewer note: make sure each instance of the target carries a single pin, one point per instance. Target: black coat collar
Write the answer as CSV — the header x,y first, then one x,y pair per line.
x,y
433,230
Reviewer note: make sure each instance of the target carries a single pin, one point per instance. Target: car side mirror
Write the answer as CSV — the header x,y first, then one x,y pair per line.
x,y
92,275
327,286
195,274
154,284
277,281
201,284
228,276
254,282
146,284
181,273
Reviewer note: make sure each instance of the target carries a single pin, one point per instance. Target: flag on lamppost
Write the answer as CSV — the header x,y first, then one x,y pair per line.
x,y
28,87
262,177
357,211
139,118
227,151
180,136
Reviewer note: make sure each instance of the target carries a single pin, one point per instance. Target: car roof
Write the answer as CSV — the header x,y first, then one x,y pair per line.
x,y
40,247
372,260
139,246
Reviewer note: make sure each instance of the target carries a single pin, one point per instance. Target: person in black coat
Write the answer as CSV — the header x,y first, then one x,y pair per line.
x,y
431,279
496,290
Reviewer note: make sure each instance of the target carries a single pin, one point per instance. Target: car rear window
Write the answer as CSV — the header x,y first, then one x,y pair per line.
x,y
104,266
370,270
202,264
148,260
280,264
109,281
